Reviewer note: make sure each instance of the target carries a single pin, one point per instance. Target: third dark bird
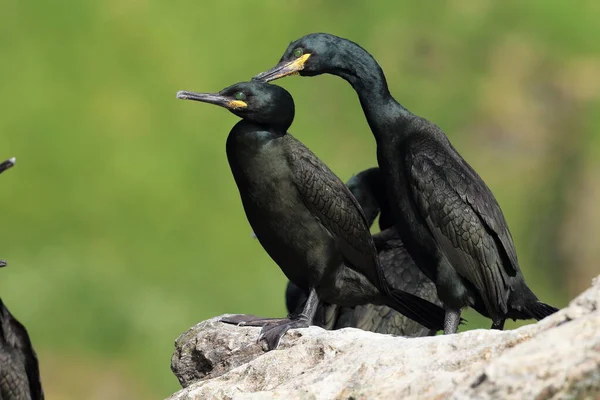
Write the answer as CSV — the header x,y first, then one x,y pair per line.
x,y
368,188
446,215
302,213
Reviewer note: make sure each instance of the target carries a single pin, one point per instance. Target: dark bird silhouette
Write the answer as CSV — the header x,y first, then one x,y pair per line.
x,y
19,371
303,215
399,269
447,217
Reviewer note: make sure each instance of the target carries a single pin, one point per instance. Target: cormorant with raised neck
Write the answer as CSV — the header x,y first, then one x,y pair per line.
x,y
447,217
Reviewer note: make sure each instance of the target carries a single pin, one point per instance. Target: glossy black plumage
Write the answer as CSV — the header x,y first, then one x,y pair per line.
x,y
19,370
368,188
303,215
447,217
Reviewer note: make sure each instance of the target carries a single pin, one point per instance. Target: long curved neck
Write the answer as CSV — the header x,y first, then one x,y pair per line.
x,y
368,80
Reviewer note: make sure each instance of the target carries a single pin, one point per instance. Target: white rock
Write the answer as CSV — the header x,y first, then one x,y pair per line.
x,y
557,358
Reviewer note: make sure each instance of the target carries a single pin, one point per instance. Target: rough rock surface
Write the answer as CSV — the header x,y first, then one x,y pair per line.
x,y
557,358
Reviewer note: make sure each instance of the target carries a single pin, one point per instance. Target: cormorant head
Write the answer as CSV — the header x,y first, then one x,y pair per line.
x,y
7,164
368,187
313,54
361,190
254,101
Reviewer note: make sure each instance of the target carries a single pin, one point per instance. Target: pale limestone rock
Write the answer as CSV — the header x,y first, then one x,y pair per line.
x,y
557,358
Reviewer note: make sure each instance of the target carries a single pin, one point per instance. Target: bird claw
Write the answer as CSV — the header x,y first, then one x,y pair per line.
x,y
273,329
260,337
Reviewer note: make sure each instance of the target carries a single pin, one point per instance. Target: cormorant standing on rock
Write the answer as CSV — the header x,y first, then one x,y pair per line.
x,y
368,188
447,217
303,215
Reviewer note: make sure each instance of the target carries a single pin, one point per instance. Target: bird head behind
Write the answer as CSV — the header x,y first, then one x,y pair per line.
x,y
315,54
255,101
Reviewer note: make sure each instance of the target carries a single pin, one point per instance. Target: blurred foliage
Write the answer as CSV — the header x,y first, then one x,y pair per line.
x,y
122,224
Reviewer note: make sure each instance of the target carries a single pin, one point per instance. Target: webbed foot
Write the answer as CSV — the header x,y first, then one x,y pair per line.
x,y
273,328
273,332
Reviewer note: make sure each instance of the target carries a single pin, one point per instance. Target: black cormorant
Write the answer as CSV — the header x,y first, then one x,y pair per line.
x,y
19,370
447,217
303,215
368,188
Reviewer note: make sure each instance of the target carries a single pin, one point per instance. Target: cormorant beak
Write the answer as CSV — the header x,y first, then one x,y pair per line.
x,y
212,98
7,164
284,68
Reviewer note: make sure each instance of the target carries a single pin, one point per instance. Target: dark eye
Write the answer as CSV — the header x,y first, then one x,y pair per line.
x,y
240,96
298,52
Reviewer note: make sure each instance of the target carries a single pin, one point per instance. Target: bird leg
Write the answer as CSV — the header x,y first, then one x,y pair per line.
x,y
451,321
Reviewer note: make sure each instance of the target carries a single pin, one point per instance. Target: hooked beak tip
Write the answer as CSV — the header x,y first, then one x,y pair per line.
x,y
260,77
182,95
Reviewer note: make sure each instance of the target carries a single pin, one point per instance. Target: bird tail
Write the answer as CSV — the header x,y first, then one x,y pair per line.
x,y
526,305
539,310
422,311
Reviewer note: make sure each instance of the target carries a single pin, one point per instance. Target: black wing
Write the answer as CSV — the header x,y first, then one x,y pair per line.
x,y
330,201
465,218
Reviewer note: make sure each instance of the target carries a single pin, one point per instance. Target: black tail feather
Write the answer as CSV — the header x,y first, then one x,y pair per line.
x,y
422,311
539,310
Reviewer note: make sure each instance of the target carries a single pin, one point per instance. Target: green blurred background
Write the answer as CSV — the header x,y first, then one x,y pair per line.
x,y
122,224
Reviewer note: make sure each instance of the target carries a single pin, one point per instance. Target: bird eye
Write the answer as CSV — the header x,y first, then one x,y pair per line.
x,y
240,96
298,52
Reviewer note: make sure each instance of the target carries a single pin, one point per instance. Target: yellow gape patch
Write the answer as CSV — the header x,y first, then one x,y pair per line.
x,y
298,63
237,104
